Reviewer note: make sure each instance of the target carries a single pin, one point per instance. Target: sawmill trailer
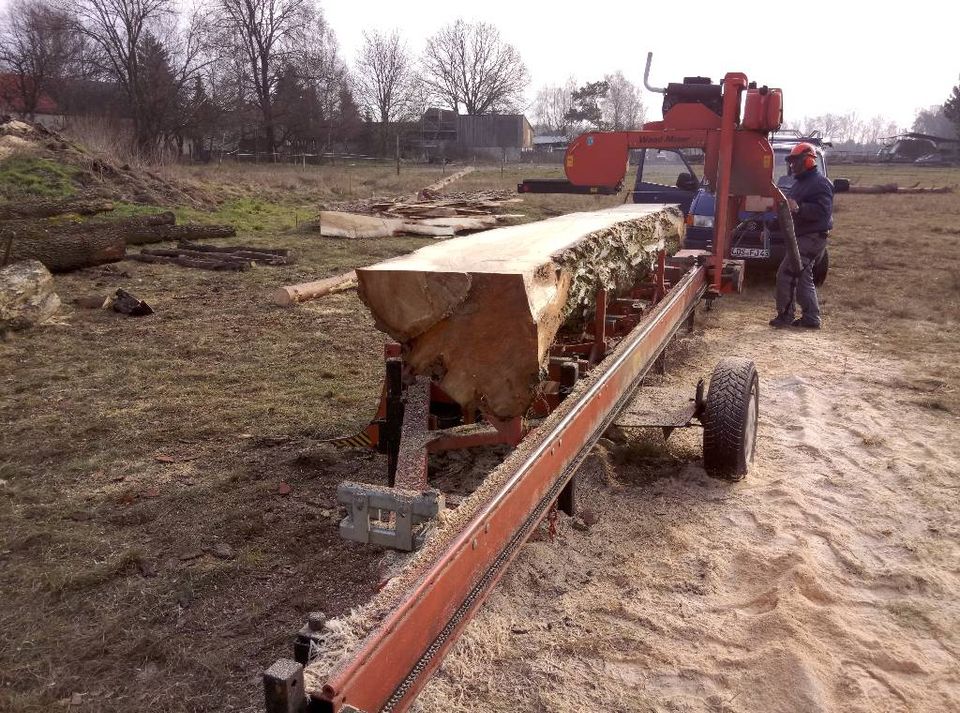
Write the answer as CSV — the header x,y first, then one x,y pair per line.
x,y
590,377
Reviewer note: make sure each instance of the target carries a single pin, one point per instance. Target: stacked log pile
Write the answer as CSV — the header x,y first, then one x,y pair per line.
x,y
479,314
50,232
236,258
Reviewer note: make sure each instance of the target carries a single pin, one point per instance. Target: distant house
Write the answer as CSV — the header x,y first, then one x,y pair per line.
x,y
494,136
46,112
550,143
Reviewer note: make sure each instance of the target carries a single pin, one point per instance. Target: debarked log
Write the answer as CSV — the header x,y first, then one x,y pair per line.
x,y
479,314
292,294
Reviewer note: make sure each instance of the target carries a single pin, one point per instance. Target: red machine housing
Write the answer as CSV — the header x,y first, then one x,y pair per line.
x,y
738,159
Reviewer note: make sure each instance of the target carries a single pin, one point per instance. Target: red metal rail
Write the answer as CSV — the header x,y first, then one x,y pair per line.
x,y
396,659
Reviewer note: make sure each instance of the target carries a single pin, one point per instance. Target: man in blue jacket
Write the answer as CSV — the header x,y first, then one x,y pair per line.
x,y
811,203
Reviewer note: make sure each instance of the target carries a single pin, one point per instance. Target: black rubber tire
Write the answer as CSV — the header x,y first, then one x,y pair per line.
x,y
730,418
821,268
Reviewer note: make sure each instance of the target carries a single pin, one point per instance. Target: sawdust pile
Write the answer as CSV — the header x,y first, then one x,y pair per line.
x,y
97,176
827,581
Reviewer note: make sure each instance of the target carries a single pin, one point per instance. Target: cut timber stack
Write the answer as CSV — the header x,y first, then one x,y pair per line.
x,y
479,314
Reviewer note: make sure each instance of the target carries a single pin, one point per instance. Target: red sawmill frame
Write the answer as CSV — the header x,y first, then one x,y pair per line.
x,y
396,658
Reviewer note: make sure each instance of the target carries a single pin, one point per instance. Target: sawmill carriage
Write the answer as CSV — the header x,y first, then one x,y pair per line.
x,y
508,339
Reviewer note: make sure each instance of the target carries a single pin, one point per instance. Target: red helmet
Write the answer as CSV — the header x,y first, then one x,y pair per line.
x,y
803,152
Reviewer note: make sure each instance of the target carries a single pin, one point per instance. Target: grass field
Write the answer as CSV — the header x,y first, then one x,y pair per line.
x,y
149,556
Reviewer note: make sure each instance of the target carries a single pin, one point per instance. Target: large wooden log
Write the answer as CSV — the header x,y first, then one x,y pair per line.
x,y
62,251
479,313
69,245
26,295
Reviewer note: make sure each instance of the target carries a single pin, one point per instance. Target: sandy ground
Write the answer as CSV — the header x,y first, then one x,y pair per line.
x,y
825,581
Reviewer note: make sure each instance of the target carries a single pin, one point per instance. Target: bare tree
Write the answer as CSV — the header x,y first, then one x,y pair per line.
x,y
37,46
265,33
316,55
138,43
470,65
551,106
622,107
384,80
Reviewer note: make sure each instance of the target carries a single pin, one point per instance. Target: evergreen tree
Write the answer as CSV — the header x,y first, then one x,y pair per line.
x,y
951,108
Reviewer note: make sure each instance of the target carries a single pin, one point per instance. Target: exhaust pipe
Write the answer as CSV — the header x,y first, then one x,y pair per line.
x,y
646,77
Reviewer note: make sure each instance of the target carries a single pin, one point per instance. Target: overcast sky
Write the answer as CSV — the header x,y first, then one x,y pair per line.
x,y
842,56
827,57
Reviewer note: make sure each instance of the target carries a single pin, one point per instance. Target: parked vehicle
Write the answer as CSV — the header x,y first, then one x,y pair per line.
x,y
753,240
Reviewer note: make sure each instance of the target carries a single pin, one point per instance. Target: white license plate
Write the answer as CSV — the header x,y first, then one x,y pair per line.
x,y
749,252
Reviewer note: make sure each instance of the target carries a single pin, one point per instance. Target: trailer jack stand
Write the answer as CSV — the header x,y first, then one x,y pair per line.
x,y
390,517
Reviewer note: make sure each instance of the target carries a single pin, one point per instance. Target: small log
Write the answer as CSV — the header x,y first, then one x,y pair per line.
x,y
894,188
210,257
219,265
283,252
191,231
292,294
26,295
125,303
48,208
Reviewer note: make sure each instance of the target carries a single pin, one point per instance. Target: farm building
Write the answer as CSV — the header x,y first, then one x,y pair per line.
x,y
491,135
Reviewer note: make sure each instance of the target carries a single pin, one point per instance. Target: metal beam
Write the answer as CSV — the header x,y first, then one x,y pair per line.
x,y
397,658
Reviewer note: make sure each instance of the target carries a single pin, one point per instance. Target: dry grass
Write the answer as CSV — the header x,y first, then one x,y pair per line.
x,y
894,277
132,447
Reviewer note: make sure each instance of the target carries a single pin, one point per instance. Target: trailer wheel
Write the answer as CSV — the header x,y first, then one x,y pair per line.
x,y
730,418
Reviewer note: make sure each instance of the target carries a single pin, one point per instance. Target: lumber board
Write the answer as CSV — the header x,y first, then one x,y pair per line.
x,y
479,313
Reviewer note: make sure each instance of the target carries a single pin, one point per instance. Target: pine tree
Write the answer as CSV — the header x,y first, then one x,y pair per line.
x,y
951,108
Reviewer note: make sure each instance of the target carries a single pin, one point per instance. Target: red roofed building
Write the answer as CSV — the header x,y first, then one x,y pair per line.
x,y
12,101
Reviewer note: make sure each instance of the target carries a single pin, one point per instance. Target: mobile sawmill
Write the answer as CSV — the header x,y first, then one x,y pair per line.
x,y
585,378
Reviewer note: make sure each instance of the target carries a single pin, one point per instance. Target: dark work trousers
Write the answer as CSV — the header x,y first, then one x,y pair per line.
x,y
799,289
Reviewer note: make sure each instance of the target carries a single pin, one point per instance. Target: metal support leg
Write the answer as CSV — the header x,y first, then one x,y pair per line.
x,y
283,688
394,420
567,500
660,365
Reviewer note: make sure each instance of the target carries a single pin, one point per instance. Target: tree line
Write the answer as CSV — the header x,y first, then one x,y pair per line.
x,y
230,68
272,70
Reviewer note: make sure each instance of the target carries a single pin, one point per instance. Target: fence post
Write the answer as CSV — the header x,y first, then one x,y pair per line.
x,y
398,154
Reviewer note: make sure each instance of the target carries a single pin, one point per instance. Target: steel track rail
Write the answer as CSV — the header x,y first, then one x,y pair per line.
x,y
397,658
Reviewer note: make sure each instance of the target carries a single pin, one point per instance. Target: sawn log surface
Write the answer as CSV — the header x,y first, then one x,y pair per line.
x,y
479,313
